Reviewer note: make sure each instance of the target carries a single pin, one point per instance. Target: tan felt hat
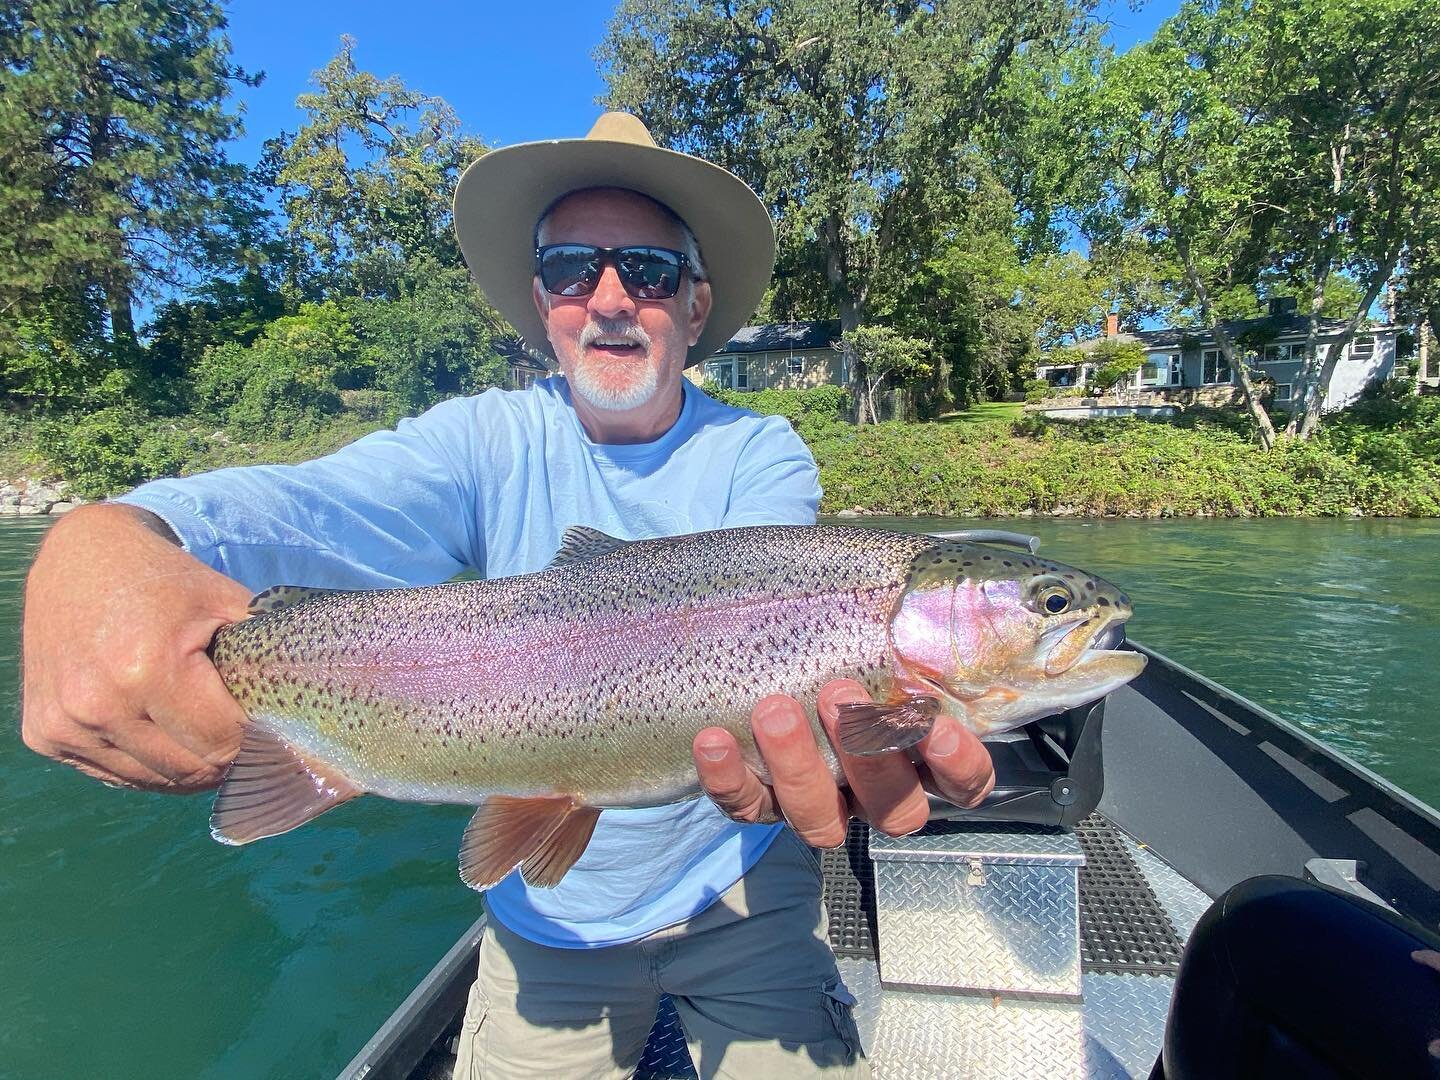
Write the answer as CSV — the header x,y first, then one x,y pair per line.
x,y
502,195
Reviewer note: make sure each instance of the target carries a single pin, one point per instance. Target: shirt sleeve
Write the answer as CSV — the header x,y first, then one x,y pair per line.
x,y
776,481
393,508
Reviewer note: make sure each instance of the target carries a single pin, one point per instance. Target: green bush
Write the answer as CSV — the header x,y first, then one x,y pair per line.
x,y
1037,390
808,411
115,448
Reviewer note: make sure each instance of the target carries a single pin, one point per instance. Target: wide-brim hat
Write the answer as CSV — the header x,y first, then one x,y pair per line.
x,y
501,196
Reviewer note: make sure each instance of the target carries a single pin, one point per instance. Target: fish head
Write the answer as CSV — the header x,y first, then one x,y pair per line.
x,y
1003,638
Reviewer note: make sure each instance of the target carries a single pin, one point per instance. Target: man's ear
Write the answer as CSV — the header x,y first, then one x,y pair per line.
x,y
699,310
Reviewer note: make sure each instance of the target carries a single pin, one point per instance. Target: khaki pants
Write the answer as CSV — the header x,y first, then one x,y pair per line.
x,y
752,978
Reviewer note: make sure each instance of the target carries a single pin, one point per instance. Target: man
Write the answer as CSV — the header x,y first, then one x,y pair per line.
x,y
629,262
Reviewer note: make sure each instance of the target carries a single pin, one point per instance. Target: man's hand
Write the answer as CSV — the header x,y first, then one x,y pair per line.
x,y
116,681
887,790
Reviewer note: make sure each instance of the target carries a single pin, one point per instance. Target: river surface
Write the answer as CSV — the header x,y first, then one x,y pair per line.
x,y
134,946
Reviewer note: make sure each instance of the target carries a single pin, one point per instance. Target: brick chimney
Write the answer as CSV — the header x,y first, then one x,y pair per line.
x,y
1112,324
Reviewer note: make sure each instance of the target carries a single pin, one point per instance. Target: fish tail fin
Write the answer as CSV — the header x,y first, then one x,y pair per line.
x,y
542,835
272,788
866,728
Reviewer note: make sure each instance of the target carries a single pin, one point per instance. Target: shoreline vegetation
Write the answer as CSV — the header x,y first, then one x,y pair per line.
x,y
1380,458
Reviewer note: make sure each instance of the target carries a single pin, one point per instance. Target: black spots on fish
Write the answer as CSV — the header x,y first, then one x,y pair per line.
x,y
1102,601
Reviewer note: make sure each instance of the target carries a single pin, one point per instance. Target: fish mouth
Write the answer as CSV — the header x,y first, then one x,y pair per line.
x,y
1068,645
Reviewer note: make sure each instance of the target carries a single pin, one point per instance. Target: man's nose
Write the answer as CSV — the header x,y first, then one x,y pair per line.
x,y
610,298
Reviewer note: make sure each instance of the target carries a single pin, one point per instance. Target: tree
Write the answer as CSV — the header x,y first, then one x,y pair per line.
x,y
860,124
113,122
878,354
1356,84
368,181
1187,164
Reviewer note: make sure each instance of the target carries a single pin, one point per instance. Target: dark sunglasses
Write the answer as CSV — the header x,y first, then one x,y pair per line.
x,y
647,273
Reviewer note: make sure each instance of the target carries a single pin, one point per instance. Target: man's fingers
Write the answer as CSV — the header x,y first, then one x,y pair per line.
x,y
198,713
180,769
113,766
729,782
807,793
959,765
886,786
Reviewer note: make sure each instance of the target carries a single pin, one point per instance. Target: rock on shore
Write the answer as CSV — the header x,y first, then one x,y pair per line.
x,y
30,498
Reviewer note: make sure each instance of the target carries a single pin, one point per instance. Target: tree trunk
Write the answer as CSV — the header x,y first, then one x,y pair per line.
x,y
1310,373
1311,421
1227,348
1424,359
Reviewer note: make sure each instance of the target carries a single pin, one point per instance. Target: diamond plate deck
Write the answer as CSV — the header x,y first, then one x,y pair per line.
x,y
957,1036
1124,1024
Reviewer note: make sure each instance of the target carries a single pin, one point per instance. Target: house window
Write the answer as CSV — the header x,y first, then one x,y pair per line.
x,y
721,373
1292,352
1160,369
1215,368
795,365
742,374
1363,348
1282,391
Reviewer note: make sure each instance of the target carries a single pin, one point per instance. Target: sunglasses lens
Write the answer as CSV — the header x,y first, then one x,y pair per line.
x,y
569,269
646,273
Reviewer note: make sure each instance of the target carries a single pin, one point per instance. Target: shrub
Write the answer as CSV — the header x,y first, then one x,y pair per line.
x,y
115,448
807,410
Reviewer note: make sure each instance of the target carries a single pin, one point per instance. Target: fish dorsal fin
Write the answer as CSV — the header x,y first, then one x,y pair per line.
x,y
507,830
271,788
283,596
581,542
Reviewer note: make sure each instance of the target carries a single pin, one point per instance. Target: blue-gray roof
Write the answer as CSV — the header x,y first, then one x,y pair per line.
x,y
1284,325
782,337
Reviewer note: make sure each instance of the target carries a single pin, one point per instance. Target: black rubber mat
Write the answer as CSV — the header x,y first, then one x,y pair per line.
x,y
850,894
1123,927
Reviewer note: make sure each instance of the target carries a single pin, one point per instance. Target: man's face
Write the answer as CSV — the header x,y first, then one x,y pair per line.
x,y
617,352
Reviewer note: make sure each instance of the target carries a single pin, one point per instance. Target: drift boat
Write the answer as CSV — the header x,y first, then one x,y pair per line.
x,y
1044,933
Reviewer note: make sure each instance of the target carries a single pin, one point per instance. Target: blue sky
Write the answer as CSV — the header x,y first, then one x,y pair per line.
x,y
514,72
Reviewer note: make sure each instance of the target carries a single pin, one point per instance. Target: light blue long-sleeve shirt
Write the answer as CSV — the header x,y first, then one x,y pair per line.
x,y
492,482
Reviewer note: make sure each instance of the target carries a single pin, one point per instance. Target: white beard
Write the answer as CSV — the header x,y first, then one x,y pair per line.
x,y
603,393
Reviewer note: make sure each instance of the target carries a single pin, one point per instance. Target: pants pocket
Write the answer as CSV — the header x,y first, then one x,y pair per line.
x,y
840,1004
808,855
467,1044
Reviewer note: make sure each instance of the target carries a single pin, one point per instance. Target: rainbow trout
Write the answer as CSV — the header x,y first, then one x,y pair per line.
x,y
547,697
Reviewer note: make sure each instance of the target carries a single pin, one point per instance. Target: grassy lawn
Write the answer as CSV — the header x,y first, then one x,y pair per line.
x,y
986,410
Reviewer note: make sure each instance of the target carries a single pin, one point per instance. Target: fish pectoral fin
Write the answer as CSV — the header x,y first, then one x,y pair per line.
x,y
283,596
581,542
271,788
867,728
561,849
506,831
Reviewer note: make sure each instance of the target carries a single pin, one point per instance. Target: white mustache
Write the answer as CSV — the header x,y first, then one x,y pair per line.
x,y
615,329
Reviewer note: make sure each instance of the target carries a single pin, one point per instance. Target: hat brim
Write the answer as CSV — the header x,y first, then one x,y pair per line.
x,y
500,198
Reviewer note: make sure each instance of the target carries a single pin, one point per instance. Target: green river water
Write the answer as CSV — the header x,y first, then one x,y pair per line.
x,y
134,946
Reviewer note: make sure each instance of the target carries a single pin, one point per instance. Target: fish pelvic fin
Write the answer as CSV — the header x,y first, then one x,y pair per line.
x,y
561,849
581,542
283,596
272,788
866,728
507,830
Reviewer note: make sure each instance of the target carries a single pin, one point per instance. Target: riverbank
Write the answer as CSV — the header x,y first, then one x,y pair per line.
x,y
1380,458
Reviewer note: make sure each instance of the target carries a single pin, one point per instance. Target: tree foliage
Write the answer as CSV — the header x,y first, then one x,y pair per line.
x,y
113,124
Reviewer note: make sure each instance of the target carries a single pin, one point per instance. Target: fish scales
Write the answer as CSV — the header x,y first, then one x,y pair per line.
x,y
585,678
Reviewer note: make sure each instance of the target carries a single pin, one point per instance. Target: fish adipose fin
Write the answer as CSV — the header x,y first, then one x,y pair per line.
x,y
581,542
507,831
865,728
283,596
271,788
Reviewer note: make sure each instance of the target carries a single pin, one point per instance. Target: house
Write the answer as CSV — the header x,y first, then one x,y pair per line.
x,y
1185,366
777,356
526,366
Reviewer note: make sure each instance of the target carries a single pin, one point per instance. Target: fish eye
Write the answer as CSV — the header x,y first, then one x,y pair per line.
x,y
1056,600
